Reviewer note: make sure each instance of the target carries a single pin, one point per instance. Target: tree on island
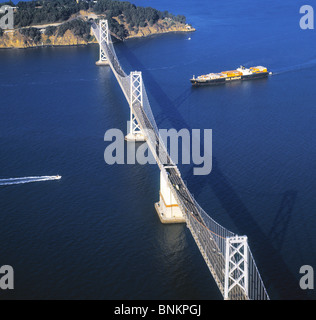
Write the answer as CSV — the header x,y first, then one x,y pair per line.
x,y
30,13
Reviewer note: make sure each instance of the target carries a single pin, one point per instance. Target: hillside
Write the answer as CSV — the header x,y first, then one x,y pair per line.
x,y
67,22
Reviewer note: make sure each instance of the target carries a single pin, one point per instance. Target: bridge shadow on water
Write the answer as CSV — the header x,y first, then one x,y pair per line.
x,y
269,261
282,218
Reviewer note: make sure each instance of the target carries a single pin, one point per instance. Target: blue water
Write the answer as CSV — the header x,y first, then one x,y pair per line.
x,y
95,234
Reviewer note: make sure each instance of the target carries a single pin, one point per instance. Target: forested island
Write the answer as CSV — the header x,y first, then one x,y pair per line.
x,y
68,22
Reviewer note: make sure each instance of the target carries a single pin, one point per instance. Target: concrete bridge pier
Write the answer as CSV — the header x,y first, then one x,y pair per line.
x,y
167,208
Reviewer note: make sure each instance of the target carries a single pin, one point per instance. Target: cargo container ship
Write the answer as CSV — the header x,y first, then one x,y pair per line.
x,y
241,73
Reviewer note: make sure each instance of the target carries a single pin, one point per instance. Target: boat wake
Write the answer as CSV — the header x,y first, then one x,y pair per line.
x,y
10,181
297,67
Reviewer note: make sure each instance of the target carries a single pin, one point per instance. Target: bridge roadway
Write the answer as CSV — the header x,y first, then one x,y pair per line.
x,y
202,235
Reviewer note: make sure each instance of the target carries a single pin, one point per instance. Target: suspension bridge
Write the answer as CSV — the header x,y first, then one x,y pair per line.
x,y
226,254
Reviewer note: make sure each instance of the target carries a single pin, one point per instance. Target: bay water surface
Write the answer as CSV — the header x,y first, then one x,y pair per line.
x,y
95,234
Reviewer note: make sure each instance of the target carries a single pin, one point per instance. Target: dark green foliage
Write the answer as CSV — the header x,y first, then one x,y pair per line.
x,y
40,12
180,18
1,32
49,31
32,33
116,7
50,11
118,29
9,3
78,27
140,16
134,16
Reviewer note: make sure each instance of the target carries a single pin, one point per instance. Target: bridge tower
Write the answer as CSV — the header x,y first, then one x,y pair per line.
x,y
167,208
236,268
136,98
104,37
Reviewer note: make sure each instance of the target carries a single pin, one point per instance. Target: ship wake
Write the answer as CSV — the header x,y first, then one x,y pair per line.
x,y
297,67
22,180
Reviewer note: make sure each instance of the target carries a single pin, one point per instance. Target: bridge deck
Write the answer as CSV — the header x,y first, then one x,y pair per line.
x,y
203,237
210,243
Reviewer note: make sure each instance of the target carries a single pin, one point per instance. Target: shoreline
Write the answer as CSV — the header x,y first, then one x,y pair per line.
x,y
160,33
95,42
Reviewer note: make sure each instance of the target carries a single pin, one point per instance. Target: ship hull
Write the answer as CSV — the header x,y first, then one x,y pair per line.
x,y
210,82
